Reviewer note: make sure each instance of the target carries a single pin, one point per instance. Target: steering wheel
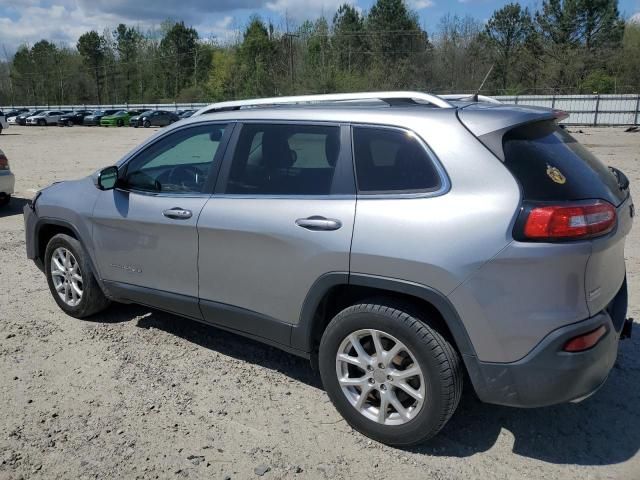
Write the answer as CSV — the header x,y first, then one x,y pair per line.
x,y
185,176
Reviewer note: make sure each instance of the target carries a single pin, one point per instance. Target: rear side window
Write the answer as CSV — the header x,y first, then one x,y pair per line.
x,y
551,165
272,159
392,160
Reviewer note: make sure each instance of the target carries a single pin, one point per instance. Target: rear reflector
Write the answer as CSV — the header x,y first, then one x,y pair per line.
x,y
4,163
567,222
586,341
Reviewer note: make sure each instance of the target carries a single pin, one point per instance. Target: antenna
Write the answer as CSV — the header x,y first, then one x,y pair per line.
x,y
474,97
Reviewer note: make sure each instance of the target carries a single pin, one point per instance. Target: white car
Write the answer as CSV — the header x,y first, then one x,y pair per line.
x,y
49,117
7,180
3,123
12,120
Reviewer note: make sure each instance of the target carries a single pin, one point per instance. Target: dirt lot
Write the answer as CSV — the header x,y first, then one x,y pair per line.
x,y
136,393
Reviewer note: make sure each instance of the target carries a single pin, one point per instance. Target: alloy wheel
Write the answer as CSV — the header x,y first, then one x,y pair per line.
x,y
66,276
380,377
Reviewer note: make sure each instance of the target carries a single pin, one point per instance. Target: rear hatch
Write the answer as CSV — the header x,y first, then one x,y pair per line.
x,y
552,169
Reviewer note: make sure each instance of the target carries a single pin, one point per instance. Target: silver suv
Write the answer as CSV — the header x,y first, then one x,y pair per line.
x,y
401,241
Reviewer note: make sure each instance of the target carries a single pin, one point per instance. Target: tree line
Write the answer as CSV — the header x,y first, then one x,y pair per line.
x,y
567,46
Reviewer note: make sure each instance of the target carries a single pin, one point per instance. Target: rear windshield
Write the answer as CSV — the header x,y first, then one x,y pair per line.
x,y
552,166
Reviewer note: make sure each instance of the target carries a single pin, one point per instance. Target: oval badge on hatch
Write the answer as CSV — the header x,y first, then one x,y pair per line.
x,y
556,175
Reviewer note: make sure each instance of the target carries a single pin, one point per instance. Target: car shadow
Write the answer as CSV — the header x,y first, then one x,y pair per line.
x,y
601,430
14,208
212,338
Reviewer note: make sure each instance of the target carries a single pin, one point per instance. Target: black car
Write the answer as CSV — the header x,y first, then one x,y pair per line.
x,y
95,116
73,118
155,118
15,112
22,119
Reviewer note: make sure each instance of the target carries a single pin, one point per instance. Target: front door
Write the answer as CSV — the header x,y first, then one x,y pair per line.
x,y
145,229
282,217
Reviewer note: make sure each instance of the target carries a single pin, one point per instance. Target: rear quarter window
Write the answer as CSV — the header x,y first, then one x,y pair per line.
x,y
390,160
551,165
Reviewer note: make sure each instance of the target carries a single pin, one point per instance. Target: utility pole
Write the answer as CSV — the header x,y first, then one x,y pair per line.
x,y
291,69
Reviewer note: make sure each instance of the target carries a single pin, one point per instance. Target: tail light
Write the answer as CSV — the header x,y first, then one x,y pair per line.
x,y
585,341
566,221
4,163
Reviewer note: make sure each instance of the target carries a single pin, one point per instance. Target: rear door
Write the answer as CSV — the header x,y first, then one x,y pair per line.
x,y
282,216
145,229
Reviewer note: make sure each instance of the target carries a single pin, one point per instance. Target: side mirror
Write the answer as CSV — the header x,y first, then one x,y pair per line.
x,y
107,178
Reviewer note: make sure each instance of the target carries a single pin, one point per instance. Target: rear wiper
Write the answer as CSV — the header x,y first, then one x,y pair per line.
x,y
623,181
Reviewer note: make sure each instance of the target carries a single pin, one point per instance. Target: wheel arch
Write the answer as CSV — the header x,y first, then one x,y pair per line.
x,y
334,291
46,228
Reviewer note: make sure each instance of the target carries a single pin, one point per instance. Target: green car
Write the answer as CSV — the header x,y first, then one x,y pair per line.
x,y
118,119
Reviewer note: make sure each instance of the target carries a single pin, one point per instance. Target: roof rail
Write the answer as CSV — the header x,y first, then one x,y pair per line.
x,y
469,97
391,98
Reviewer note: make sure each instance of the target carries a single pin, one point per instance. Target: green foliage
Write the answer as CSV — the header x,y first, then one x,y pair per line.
x,y
598,82
564,46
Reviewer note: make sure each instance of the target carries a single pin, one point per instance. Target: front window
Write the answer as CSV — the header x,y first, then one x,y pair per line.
x,y
178,163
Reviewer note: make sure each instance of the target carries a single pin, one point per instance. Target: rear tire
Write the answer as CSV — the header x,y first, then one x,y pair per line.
x,y
71,262
425,361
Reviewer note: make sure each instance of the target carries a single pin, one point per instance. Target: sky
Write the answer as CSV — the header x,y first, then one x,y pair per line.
x,y
63,21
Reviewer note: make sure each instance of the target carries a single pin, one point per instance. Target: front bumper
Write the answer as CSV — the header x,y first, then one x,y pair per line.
x,y
548,375
7,183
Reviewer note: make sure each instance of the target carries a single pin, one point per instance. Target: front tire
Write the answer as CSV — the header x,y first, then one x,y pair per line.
x,y
70,278
389,373
146,124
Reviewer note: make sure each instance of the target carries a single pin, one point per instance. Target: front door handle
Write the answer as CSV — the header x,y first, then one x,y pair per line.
x,y
177,213
317,222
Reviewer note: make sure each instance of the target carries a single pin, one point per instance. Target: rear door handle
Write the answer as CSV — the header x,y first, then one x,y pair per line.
x,y
317,222
177,213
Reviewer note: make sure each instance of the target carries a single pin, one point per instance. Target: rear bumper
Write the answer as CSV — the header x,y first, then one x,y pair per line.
x,y
7,183
548,375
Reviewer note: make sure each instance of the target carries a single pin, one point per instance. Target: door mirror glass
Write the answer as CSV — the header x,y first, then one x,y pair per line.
x,y
107,178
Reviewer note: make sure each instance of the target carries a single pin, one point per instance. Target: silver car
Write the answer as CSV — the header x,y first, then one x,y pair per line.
x,y
7,180
399,240
48,117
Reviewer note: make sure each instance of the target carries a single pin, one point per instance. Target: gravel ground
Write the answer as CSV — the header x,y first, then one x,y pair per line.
x,y
136,393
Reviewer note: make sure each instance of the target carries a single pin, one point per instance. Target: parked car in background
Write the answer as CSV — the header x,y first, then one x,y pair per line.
x,y
12,115
187,113
3,122
48,117
507,270
73,118
7,180
118,119
22,118
154,118
96,116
